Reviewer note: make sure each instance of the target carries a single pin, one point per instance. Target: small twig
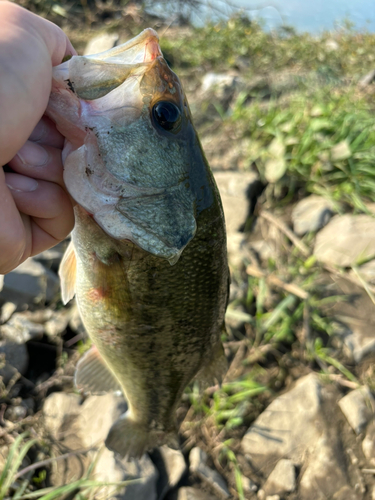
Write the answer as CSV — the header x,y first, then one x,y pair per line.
x,y
258,353
17,425
340,380
271,279
288,232
236,365
42,463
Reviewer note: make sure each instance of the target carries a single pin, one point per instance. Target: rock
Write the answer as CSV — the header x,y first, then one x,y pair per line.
x,y
287,427
358,407
273,497
80,426
367,79
346,240
346,493
13,358
15,413
219,83
237,191
58,323
355,319
282,479
100,43
366,271
58,408
311,214
171,466
6,311
235,188
248,485
211,477
30,282
368,444
188,493
20,329
324,474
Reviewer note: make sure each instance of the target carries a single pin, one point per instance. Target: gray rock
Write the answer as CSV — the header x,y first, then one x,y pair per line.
x,y
311,214
367,79
20,329
324,475
355,319
287,427
13,358
346,240
282,479
234,190
81,426
358,407
368,443
188,493
6,311
30,282
219,83
198,466
366,272
173,467
346,493
100,43
58,323
248,485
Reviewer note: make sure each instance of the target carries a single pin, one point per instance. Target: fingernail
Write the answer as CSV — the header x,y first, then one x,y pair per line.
x,y
39,131
18,182
33,155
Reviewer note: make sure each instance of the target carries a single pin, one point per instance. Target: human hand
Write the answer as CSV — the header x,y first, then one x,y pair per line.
x,y
35,210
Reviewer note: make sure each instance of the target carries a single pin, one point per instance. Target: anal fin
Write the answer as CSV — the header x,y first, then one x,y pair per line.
x,y
93,375
68,274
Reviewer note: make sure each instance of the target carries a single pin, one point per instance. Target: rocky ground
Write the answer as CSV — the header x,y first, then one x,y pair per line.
x,y
294,418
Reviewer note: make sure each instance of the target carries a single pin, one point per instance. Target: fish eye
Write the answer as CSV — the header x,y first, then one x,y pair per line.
x,y
167,115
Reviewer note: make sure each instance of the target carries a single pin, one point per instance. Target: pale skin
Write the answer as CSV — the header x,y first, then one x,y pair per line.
x,y
35,209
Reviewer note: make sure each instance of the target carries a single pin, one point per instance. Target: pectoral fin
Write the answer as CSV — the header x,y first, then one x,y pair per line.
x,y
93,375
67,273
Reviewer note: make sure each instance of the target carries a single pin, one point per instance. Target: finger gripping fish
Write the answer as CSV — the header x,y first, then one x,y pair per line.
x,y
147,261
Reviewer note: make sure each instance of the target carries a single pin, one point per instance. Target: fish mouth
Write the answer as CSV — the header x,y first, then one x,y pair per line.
x,y
111,95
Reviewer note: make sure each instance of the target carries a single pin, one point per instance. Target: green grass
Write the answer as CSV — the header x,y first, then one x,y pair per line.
x,y
322,140
12,481
231,44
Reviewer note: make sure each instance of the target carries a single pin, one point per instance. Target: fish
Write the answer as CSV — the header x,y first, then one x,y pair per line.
x,y
147,261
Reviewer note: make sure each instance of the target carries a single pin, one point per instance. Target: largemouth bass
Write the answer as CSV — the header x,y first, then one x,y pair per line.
x,y
147,262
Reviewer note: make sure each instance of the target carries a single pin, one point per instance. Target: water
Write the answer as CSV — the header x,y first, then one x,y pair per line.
x,y
313,16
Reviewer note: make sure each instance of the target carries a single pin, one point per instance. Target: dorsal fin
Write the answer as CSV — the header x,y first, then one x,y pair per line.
x,y
67,273
93,375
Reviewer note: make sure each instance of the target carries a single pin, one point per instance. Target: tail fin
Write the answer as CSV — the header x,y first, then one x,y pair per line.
x,y
132,439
